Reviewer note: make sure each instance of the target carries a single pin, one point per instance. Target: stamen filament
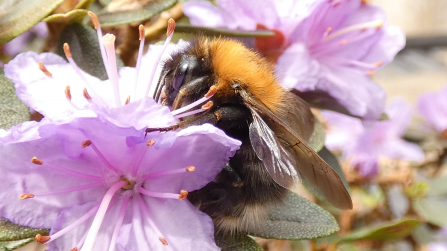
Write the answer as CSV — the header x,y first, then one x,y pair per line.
x,y
69,190
73,173
159,194
170,33
78,222
164,173
80,242
139,57
109,44
96,224
198,102
145,213
77,70
362,26
102,158
119,222
138,162
97,26
189,113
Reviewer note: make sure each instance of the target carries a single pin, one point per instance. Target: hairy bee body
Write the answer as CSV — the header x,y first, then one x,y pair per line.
x,y
250,105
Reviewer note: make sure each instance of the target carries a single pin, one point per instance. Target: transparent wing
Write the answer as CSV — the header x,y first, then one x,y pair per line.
x,y
278,162
297,152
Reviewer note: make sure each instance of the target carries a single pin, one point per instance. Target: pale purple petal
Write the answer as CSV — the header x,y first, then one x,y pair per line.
x,y
203,13
183,227
297,69
41,93
343,130
205,147
433,108
400,149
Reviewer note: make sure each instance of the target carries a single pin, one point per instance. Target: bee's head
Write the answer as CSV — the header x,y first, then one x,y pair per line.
x,y
186,77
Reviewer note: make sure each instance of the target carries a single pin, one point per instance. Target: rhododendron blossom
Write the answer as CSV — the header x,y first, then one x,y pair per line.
x,y
103,187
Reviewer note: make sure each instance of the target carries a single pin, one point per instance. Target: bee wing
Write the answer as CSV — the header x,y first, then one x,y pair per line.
x,y
309,163
278,162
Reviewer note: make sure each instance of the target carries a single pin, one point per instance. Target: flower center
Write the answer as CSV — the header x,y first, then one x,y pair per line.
x,y
130,185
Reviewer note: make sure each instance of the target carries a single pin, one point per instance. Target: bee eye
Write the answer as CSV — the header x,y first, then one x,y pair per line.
x,y
179,76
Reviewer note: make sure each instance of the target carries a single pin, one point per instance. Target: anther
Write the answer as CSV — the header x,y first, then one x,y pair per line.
x,y
42,238
370,73
94,19
67,50
150,142
44,70
26,196
67,92
190,168
127,100
74,249
86,143
183,194
211,92
36,161
336,3
86,95
378,63
141,30
207,106
163,241
171,27
343,42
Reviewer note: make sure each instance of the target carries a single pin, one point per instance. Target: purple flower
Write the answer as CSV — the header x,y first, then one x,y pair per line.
x,y
325,49
433,108
339,46
59,89
362,144
102,187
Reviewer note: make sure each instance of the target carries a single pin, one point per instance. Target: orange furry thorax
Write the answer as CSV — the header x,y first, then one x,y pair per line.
x,y
233,63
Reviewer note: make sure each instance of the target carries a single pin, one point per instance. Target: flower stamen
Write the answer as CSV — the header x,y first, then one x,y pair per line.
x,y
108,41
86,95
97,221
119,222
145,213
362,26
139,57
103,159
150,142
44,69
164,173
207,96
97,26
26,196
169,33
37,161
67,92
181,196
42,238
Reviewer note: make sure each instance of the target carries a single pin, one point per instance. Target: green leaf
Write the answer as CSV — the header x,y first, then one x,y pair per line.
x,y
418,190
13,245
236,243
327,156
12,110
84,4
433,209
385,231
318,136
438,186
211,31
13,232
84,47
18,16
297,219
67,18
149,10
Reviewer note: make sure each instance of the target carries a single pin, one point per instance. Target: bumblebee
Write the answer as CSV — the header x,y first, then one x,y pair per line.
x,y
273,124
